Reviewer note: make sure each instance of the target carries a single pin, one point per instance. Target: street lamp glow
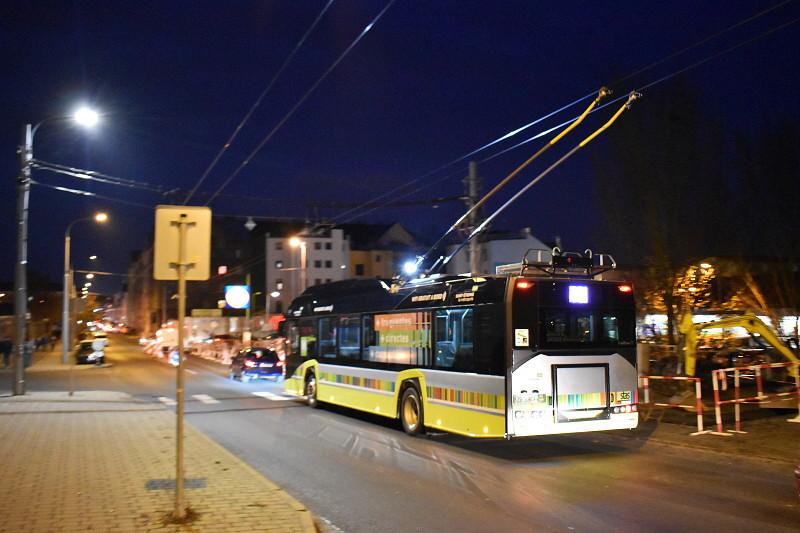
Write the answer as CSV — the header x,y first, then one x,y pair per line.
x,y
705,266
100,217
294,242
89,276
87,284
275,294
86,117
92,257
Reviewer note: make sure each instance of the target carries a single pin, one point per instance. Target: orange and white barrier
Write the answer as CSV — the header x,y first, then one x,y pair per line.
x,y
720,376
698,397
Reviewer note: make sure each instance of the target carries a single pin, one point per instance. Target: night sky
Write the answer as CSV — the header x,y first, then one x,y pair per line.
x,y
428,84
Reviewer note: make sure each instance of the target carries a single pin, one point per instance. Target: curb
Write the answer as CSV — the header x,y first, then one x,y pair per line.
x,y
306,518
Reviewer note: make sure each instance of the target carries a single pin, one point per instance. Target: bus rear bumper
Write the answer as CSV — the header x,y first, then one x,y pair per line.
x,y
614,422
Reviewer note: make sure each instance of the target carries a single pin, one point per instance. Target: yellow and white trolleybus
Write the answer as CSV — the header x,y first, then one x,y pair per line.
x,y
540,348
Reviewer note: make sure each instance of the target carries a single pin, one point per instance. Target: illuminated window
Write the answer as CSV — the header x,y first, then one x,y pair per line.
x,y
278,264
279,284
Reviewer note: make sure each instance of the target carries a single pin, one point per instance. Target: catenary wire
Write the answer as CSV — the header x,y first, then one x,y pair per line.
x,y
300,102
257,103
565,123
563,108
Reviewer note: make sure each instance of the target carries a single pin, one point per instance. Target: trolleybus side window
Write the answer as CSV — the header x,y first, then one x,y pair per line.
x,y
454,340
327,337
349,337
398,338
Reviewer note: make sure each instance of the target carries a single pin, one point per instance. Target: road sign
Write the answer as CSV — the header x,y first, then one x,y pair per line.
x,y
197,246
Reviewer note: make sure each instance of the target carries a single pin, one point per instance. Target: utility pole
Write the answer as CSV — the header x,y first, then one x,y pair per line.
x,y
20,275
472,189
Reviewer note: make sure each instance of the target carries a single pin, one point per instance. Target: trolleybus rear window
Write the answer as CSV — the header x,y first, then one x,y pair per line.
x,y
585,327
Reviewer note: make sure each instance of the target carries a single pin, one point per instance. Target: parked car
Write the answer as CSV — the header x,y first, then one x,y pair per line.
x,y
256,363
87,352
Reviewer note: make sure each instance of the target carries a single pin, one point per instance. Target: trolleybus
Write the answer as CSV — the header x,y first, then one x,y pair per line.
x,y
541,347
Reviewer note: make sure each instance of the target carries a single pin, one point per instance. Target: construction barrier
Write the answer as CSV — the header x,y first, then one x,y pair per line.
x,y
719,380
698,397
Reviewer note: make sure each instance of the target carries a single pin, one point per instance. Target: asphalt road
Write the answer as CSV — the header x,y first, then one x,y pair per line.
x,y
363,474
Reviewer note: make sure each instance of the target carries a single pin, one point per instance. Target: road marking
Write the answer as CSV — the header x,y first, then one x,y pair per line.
x,y
272,396
205,398
167,401
191,371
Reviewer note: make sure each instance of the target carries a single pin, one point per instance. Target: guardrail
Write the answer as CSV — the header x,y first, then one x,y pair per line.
x,y
698,398
719,380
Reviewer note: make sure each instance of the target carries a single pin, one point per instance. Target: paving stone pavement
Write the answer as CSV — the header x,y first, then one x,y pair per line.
x,y
84,463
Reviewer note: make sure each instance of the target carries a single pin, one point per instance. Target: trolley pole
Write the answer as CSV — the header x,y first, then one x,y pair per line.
x,y
20,273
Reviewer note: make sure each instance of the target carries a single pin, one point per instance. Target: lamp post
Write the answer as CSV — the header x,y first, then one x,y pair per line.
x,y
66,337
297,242
84,117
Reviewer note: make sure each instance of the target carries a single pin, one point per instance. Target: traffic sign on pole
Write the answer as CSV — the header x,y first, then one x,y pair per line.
x,y
182,252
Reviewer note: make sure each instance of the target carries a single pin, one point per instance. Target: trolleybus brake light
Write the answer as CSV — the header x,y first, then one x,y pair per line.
x,y
523,284
625,288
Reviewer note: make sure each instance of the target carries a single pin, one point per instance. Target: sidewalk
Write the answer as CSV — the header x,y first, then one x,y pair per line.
x,y
103,461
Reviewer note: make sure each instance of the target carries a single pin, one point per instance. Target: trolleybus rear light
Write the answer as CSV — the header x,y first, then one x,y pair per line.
x,y
523,284
625,288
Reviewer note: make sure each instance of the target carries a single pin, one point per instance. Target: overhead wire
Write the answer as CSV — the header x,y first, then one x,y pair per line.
x,y
80,192
518,130
257,103
300,102
567,122
92,175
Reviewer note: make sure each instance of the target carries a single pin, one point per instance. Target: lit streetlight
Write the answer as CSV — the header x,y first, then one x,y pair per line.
x,y
90,276
92,258
20,274
66,337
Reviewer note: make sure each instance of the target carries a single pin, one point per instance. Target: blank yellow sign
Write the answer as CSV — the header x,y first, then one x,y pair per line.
x,y
198,242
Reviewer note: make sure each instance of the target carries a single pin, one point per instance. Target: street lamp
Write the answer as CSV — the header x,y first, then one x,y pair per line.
x,y
89,276
297,242
25,151
66,338
92,258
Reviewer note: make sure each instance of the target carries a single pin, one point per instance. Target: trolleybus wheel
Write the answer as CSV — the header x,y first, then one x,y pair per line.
x,y
411,414
311,390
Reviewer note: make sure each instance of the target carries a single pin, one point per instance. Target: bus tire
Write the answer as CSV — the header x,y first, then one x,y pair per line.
x,y
310,390
411,411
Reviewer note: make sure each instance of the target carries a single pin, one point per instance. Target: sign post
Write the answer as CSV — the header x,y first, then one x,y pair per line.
x,y
181,252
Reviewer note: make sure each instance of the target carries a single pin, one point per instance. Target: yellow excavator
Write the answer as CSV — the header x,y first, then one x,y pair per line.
x,y
748,321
